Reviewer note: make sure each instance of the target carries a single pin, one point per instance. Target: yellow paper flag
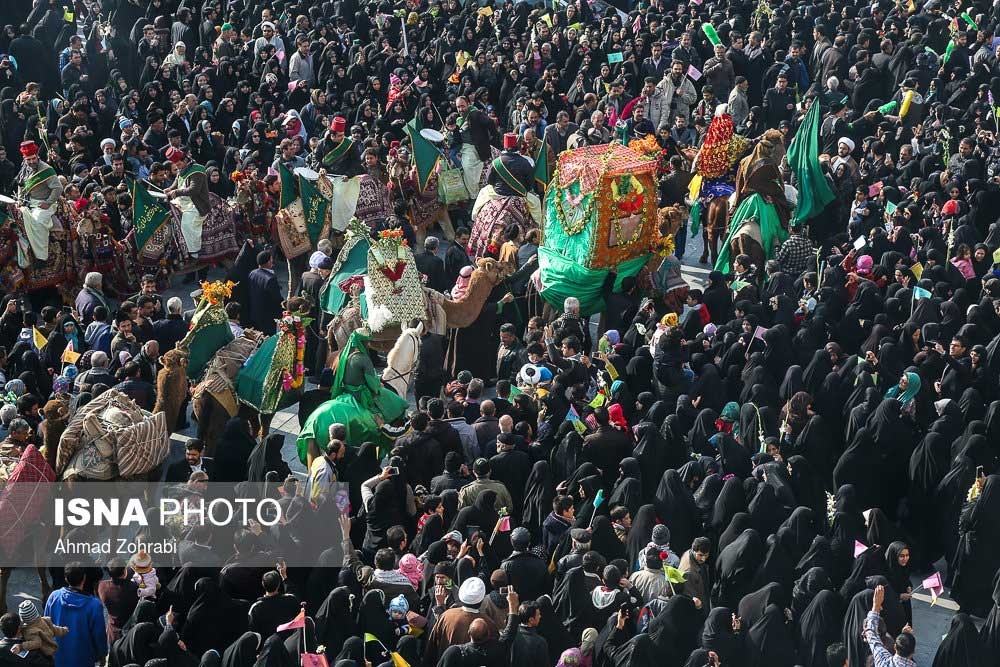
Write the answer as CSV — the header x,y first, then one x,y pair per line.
x,y
39,338
996,256
67,16
548,19
599,400
918,270
612,371
674,575
69,355
369,637
398,660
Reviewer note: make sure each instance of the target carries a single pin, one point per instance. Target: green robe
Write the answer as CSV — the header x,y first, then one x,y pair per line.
x,y
357,396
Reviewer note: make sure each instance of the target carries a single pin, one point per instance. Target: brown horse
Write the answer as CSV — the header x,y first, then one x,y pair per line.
x,y
714,227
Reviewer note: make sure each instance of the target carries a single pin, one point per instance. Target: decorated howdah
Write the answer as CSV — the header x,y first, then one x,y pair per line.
x,y
600,215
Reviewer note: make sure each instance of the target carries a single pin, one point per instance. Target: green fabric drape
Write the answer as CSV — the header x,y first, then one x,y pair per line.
x,y
772,234
563,278
331,298
803,158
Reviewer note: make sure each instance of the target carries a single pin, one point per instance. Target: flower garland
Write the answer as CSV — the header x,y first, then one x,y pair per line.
x,y
217,291
665,245
393,241
562,192
291,326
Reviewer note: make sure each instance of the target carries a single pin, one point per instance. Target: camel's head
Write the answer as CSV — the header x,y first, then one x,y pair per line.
x,y
490,269
175,358
669,220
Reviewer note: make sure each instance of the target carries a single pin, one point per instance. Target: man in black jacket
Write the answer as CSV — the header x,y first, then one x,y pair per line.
x,y
171,330
276,607
526,572
432,266
529,647
265,305
477,134
779,102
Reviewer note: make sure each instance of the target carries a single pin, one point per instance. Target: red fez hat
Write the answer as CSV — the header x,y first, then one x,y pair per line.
x,y
339,124
175,154
29,148
509,140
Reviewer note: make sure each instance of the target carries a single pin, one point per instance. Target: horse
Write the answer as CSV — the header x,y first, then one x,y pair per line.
x,y
402,360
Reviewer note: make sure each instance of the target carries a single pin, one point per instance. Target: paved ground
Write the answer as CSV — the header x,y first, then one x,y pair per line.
x,y
930,622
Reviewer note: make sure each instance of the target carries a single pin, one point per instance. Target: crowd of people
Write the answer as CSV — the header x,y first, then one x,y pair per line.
x,y
761,475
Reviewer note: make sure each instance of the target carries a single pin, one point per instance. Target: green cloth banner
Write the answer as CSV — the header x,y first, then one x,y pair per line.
x,y
563,277
249,382
331,297
803,158
148,214
210,331
425,154
542,166
289,188
315,208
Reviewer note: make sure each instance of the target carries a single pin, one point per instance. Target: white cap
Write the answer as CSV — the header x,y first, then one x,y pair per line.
x,y
472,591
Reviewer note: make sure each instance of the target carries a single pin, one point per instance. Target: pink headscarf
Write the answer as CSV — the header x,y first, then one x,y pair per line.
x,y
410,566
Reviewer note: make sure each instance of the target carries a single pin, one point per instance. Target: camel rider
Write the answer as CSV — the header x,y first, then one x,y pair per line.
x,y
42,188
357,399
190,195
513,175
474,127
338,155
337,152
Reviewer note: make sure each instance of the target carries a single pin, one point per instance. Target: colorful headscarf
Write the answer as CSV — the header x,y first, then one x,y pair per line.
x,y
410,566
912,389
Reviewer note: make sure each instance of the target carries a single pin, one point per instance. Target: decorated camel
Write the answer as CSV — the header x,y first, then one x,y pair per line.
x,y
375,283
214,400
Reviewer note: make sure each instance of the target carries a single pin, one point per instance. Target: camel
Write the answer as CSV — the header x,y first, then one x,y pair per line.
x,y
442,313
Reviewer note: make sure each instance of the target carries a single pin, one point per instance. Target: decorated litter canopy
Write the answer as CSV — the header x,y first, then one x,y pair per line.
x,y
600,215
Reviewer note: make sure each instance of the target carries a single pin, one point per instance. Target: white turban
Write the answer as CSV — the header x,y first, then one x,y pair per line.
x,y
847,142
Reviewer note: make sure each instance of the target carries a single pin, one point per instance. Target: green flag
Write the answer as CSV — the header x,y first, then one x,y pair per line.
x,y
803,158
425,154
314,207
674,575
289,187
542,166
148,214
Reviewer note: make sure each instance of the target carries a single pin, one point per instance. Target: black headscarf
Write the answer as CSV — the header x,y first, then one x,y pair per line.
x,y
818,627
266,457
538,494
233,451
243,652
962,645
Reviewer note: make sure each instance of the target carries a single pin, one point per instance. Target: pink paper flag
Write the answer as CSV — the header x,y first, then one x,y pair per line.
x,y
933,584
874,189
693,72
297,622
759,332
859,548
280,55
504,525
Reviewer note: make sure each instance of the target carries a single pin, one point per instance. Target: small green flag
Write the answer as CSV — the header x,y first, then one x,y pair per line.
x,y
616,57
369,637
890,208
425,154
737,285
674,575
314,207
148,214
542,166
514,391
289,188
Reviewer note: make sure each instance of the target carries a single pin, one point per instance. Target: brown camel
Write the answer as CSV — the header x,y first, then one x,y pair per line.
x,y
714,228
